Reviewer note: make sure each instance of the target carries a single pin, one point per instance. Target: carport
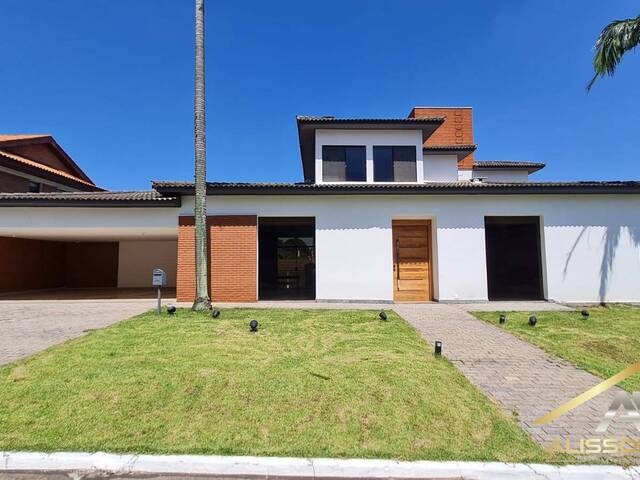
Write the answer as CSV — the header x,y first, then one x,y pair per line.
x,y
85,245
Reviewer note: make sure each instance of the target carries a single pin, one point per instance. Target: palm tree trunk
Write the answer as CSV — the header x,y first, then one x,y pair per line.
x,y
202,301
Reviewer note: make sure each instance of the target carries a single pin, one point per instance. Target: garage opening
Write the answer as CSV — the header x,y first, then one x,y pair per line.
x,y
286,258
514,261
55,269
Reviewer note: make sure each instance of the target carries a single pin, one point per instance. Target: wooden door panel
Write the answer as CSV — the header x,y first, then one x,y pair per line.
x,y
408,253
405,285
412,260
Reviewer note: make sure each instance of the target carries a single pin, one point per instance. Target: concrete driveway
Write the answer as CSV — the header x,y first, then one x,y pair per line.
x,y
29,326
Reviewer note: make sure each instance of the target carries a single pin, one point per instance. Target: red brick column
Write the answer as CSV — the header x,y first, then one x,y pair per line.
x,y
233,258
186,273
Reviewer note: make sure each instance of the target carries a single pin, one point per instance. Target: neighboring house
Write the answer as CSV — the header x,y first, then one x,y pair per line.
x,y
36,163
389,210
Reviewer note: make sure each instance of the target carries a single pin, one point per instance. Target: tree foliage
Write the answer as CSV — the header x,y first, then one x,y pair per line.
x,y
614,41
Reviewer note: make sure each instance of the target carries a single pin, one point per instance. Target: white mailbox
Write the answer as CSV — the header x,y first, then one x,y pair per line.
x,y
159,278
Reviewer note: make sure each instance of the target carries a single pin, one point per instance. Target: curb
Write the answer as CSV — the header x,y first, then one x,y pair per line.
x,y
300,468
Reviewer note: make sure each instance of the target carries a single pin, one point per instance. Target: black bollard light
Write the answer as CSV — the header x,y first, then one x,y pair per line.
x,y
438,350
171,310
503,318
253,325
215,313
585,313
383,315
533,320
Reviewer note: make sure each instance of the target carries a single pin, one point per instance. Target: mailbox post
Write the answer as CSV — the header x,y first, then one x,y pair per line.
x,y
159,280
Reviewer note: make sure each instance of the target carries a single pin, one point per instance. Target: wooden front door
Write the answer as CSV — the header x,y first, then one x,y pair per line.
x,y
411,260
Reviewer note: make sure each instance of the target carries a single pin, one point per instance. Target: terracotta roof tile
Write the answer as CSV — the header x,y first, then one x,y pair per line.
x,y
41,166
9,137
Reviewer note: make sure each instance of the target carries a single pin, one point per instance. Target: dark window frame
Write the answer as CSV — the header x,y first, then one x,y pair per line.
x,y
393,148
363,166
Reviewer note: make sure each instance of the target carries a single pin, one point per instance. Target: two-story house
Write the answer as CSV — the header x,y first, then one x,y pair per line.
x,y
389,210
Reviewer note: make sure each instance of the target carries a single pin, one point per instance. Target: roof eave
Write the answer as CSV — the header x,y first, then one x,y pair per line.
x,y
170,202
457,150
418,189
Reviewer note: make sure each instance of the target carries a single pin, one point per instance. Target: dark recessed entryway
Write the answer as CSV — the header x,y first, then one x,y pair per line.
x,y
286,258
514,263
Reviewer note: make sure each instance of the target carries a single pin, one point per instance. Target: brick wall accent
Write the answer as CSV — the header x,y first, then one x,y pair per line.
x,y
186,272
457,129
38,264
233,258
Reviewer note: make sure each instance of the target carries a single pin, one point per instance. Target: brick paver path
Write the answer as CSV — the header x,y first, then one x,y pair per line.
x,y
27,327
518,376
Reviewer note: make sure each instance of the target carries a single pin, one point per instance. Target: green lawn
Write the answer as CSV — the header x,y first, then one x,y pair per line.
x,y
311,383
604,343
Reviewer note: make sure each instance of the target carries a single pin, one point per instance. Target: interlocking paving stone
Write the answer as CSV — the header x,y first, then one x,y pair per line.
x,y
30,326
520,377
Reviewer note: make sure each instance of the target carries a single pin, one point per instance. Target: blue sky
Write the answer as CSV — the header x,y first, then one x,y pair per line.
x,y
112,80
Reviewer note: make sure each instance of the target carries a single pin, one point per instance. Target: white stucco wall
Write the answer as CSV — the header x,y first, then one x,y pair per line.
x,y
369,139
440,168
591,244
514,175
137,259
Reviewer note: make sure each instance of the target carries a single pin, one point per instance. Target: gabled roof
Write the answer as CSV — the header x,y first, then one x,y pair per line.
x,y
46,170
308,124
530,167
8,141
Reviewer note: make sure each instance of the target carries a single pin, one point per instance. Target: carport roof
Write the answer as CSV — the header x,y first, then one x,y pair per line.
x,y
147,198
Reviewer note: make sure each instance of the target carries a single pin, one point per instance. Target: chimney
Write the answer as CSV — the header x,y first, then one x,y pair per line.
x,y
457,128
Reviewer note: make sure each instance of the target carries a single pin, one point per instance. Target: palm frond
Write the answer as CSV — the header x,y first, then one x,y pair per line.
x,y
614,41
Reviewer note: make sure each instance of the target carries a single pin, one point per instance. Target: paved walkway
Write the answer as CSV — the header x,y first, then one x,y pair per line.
x,y
30,326
518,376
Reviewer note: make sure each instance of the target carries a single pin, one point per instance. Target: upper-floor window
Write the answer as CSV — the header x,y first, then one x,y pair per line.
x,y
394,164
34,187
344,163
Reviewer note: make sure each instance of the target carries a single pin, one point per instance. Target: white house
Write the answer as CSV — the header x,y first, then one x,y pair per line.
x,y
389,210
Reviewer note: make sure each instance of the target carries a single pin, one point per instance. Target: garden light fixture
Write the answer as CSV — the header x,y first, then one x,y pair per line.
x,y
438,351
253,325
533,320
215,313
382,315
